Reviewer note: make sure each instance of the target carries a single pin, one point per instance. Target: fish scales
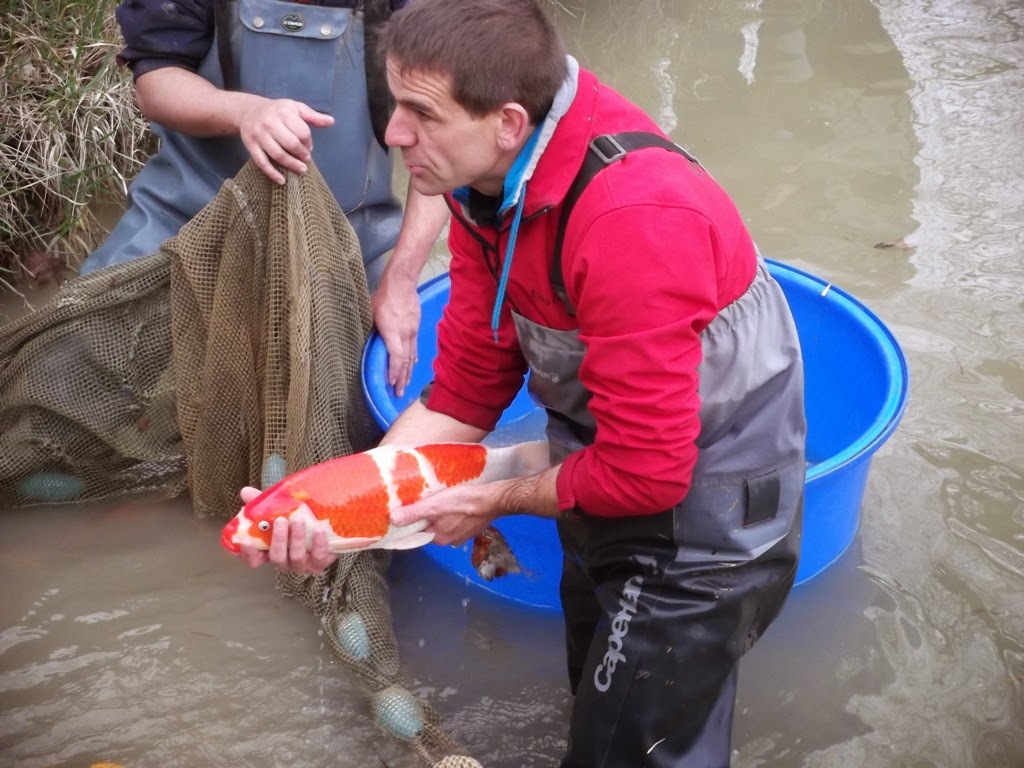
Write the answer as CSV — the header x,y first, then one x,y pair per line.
x,y
349,492
452,465
408,478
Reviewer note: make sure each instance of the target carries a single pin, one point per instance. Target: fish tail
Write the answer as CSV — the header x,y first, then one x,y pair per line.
x,y
517,460
533,457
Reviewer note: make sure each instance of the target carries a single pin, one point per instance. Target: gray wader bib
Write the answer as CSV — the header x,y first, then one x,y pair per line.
x,y
312,54
659,608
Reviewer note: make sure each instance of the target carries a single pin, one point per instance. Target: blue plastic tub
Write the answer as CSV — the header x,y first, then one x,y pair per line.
x,y
856,392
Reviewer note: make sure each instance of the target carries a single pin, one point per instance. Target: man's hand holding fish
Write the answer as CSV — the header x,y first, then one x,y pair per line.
x,y
458,514
288,550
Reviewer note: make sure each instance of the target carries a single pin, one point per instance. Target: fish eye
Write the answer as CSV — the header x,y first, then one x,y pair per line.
x,y
263,525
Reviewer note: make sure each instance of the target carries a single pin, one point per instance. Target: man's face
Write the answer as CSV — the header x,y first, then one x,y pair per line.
x,y
443,146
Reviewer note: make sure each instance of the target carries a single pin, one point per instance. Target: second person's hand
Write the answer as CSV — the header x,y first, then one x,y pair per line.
x,y
278,131
396,315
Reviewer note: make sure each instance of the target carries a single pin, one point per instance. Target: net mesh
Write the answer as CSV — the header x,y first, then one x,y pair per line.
x,y
230,357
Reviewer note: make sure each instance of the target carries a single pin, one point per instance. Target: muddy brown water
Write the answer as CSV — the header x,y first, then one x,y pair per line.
x,y
126,634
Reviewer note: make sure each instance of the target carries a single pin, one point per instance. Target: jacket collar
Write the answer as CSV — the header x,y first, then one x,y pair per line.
x,y
553,154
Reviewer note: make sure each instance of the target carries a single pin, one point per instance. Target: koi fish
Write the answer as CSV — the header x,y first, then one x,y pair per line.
x,y
353,496
492,556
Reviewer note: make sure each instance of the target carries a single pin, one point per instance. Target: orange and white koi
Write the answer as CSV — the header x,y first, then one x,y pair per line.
x,y
353,496
492,556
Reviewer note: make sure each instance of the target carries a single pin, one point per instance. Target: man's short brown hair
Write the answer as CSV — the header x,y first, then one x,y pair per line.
x,y
494,51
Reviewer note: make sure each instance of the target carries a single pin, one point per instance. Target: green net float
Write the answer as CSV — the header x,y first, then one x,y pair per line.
x,y
352,635
458,761
273,472
398,712
51,486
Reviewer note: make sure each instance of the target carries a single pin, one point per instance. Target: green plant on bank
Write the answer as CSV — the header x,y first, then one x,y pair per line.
x,y
70,133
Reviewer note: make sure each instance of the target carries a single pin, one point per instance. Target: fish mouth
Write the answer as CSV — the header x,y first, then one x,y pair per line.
x,y
227,537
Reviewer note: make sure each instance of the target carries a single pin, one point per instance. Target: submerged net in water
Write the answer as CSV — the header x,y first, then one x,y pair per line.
x,y
230,357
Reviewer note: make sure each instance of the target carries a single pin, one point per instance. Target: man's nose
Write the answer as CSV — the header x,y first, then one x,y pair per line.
x,y
397,133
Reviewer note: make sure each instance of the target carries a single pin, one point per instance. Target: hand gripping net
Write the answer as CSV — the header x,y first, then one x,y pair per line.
x,y
228,358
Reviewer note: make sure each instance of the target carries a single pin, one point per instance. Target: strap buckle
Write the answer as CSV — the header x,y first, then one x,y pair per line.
x,y
615,151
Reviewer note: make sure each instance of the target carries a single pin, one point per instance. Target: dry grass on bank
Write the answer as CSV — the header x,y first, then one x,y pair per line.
x,y
70,133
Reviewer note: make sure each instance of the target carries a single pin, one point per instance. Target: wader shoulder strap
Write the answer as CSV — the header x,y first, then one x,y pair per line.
x,y
604,150
225,56
375,15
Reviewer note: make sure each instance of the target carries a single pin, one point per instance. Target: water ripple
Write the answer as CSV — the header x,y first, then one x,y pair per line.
x,y
12,636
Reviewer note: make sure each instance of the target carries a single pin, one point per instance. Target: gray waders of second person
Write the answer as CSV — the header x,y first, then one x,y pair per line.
x,y
659,608
277,50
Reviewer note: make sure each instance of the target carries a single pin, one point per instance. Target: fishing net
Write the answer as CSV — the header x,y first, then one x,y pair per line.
x,y
228,358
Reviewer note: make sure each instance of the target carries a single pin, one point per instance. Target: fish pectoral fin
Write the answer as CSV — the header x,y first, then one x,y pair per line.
x,y
338,544
409,541
397,537
405,536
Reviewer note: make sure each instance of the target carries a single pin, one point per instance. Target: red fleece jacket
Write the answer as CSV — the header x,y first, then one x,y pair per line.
x,y
653,250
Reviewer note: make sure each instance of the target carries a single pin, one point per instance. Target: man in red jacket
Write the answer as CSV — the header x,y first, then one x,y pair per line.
x,y
663,351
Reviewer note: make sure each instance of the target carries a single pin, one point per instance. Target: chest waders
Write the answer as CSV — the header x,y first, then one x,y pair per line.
x,y
312,54
659,608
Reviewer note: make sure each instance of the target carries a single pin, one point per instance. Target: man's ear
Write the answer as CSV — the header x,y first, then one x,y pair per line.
x,y
513,126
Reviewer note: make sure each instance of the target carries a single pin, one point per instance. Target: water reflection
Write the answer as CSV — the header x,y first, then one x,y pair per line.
x,y
125,634
799,108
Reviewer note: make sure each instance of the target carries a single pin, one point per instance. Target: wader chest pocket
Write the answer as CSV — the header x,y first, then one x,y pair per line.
x,y
763,494
291,51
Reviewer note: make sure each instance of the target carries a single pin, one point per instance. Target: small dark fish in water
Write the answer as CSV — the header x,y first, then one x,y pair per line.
x,y
899,245
492,557
45,267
